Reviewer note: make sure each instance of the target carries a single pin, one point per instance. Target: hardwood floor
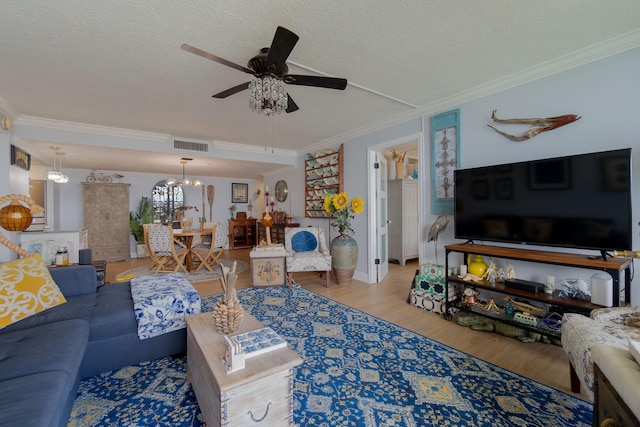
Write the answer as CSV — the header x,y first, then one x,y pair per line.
x,y
544,363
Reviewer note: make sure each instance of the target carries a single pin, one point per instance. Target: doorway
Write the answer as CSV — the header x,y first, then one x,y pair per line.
x,y
380,172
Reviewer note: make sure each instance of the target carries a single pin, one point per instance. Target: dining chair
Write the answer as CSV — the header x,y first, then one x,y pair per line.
x,y
307,250
210,247
150,253
167,252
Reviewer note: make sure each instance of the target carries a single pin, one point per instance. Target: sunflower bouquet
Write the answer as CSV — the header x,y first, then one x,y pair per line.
x,y
344,210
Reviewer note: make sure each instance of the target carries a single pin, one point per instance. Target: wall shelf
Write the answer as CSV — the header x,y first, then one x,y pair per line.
x,y
323,176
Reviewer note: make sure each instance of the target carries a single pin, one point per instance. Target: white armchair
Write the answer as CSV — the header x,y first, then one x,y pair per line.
x,y
307,250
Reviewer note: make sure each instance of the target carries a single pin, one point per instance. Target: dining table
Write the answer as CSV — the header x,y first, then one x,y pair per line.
x,y
188,238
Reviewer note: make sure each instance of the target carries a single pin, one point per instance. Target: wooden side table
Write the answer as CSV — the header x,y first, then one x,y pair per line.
x,y
261,393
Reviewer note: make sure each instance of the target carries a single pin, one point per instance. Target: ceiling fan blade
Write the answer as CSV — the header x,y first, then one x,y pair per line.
x,y
281,47
232,91
291,105
317,81
216,58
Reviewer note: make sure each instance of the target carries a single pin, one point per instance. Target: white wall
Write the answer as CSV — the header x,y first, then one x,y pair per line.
x,y
13,180
68,206
605,93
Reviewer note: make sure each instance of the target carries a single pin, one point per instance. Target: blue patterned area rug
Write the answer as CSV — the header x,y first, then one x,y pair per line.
x,y
193,277
358,370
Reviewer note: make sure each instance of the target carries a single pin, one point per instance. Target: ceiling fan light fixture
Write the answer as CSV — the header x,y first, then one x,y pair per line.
x,y
268,96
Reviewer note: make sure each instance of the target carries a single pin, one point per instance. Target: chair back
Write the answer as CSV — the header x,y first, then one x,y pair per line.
x,y
159,238
221,235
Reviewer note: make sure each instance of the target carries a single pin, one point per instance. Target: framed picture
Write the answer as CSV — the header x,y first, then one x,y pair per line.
x,y
20,158
445,146
239,193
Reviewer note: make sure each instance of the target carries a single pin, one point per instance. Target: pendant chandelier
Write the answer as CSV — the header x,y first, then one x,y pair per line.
x,y
184,181
268,96
56,175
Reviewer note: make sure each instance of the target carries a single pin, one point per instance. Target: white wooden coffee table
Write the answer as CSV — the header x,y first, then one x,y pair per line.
x,y
261,393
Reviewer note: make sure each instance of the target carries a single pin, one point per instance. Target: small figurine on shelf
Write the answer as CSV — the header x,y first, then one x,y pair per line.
x,y
491,272
511,273
232,211
576,288
250,207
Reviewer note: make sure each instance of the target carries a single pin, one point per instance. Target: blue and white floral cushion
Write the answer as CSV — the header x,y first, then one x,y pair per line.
x,y
605,326
161,303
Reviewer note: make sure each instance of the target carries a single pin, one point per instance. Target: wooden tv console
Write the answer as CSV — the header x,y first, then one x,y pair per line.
x,y
618,268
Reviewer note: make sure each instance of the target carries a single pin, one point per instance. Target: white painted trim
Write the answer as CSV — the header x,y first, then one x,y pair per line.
x,y
372,217
39,122
371,209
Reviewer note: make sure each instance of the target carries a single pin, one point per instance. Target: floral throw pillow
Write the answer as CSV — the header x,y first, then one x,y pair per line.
x,y
26,288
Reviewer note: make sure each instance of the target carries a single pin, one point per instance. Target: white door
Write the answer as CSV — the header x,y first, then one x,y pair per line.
x,y
382,218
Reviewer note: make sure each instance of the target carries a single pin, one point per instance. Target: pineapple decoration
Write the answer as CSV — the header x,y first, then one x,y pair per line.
x,y
228,312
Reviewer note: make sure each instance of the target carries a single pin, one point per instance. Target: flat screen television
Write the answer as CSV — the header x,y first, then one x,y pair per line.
x,y
581,201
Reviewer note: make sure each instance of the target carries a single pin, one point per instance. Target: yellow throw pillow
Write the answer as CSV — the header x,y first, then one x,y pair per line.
x,y
26,288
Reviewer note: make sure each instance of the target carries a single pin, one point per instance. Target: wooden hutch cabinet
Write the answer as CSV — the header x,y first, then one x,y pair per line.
x,y
277,232
106,218
242,233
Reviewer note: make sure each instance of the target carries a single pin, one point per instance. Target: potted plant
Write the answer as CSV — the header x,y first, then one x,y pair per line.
x,y
142,215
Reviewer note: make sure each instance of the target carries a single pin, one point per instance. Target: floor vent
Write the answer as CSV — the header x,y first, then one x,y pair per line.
x,y
190,145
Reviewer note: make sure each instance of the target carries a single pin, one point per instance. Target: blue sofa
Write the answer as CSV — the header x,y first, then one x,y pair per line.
x,y
44,357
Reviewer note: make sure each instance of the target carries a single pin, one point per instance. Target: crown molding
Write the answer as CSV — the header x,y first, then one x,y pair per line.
x,y
77,127
7,109
598,51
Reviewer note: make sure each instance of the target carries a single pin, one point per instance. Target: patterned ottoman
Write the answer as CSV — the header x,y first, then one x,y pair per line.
x,y
161,303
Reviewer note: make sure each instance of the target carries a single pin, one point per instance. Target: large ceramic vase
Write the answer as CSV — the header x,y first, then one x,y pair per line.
x,y
344,256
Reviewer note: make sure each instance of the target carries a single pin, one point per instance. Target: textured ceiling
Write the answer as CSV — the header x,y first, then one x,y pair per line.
x,y
118,63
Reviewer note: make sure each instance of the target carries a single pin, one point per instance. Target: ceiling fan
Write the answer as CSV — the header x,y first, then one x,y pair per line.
x,y
271,63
